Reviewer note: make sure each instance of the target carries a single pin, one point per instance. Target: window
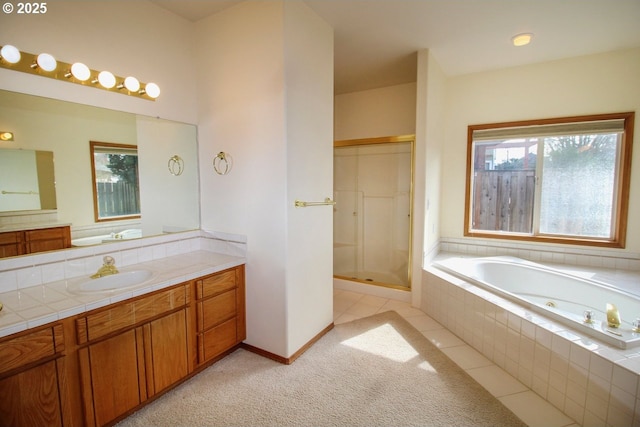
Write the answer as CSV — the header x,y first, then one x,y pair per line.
x,y
116,192
562,180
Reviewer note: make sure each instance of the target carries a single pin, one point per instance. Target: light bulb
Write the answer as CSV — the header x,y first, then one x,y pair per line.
x,y
80,71
522,39
46,62
106,79
11,54
153,90
132,84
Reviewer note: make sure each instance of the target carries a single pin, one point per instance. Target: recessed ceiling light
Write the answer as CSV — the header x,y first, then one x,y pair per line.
x,y
522,39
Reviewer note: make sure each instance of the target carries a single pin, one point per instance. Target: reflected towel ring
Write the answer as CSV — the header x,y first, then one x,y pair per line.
x,y
222,163
176,165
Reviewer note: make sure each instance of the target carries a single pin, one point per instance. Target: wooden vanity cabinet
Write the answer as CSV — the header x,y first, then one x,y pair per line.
x,y
98,367
220,312
13,243
30,372
133,350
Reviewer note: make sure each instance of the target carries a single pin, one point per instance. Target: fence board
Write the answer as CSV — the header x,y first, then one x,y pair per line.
x,y
503,200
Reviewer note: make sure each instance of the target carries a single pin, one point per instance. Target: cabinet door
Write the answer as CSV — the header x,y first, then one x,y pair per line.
x,y
48,239
30,398
11,244
168,350
114,376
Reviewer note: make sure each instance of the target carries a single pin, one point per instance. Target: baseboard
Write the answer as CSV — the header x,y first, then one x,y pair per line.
x,y
292,358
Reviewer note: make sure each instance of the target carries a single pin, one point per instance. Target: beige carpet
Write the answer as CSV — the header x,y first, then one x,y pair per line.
x,y
376,371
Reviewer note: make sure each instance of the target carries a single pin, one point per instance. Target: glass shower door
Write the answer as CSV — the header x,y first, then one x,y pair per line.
x,y
372,223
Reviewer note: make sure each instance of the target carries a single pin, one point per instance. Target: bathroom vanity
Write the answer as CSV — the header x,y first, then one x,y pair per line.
x,y
33,240
97,367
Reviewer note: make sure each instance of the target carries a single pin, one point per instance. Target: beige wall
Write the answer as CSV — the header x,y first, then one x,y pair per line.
x,y
604,83
388,111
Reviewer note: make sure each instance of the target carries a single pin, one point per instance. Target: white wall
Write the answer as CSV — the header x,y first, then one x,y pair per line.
x,y
125,37
18,174
168,202
603,83
309,151
264,101
430,107
387,111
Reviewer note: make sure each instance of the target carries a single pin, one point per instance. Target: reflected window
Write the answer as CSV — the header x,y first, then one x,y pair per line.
x,y
116,189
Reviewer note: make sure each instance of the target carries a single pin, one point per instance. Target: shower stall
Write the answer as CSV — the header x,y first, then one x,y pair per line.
x,y
372,216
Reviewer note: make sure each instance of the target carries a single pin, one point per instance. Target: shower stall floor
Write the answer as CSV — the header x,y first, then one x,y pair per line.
x,y
377,278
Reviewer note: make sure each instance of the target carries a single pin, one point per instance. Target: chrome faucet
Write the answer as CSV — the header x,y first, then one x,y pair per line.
x,y
613,316
108,268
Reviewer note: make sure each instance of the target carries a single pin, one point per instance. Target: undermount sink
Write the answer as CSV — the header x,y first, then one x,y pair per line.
x,y
113,282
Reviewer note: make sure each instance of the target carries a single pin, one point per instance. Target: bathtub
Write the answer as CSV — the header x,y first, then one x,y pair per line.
x,y
133,233
554,294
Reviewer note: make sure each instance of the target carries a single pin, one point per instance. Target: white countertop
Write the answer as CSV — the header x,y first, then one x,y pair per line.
x,y
38,305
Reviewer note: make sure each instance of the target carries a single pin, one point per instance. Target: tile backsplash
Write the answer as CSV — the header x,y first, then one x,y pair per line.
x,y
33,270
536,252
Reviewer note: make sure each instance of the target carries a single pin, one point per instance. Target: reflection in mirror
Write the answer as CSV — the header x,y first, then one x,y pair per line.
x,y
26,180
116,190
168,203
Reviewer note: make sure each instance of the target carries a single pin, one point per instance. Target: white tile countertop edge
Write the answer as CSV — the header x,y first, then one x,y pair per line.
x,y
38,305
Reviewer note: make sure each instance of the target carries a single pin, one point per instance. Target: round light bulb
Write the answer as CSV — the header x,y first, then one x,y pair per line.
x,y
106,79
11,54
46,62
522,39
132,84
80,71
153,90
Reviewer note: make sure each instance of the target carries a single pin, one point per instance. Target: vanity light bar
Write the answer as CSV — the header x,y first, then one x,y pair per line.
x,y
46,66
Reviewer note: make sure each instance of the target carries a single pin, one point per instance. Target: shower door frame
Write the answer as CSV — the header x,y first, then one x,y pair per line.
x,y
411,139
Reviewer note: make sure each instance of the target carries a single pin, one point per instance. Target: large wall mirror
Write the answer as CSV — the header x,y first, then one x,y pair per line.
x,y
168,202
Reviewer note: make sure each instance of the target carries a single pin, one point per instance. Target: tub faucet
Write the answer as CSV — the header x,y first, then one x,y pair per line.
x,y
613,316
108,268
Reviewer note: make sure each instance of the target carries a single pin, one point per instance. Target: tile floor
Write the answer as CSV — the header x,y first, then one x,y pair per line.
x,y
528,406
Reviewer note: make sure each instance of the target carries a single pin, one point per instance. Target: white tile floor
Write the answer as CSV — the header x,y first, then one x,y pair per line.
x,y
528,406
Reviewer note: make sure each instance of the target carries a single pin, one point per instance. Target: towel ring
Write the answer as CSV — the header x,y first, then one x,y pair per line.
x,y
175,165
222,163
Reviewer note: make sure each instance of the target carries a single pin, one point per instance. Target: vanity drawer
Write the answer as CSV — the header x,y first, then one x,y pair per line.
x,y
128,314
217,283
217,340
29,348
214,310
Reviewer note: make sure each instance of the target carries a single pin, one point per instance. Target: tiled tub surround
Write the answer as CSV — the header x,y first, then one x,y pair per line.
x,y
33,289
591,382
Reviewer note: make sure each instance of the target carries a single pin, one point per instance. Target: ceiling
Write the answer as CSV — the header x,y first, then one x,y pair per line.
x,y
376,40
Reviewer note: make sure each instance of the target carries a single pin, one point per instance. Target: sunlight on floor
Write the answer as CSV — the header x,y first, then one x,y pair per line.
x,y
394,347
528,406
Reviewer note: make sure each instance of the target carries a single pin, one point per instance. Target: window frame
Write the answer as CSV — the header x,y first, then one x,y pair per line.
x,y
97,146
620,206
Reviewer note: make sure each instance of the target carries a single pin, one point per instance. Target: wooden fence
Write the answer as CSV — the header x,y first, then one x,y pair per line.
x,y
117,199
503,200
